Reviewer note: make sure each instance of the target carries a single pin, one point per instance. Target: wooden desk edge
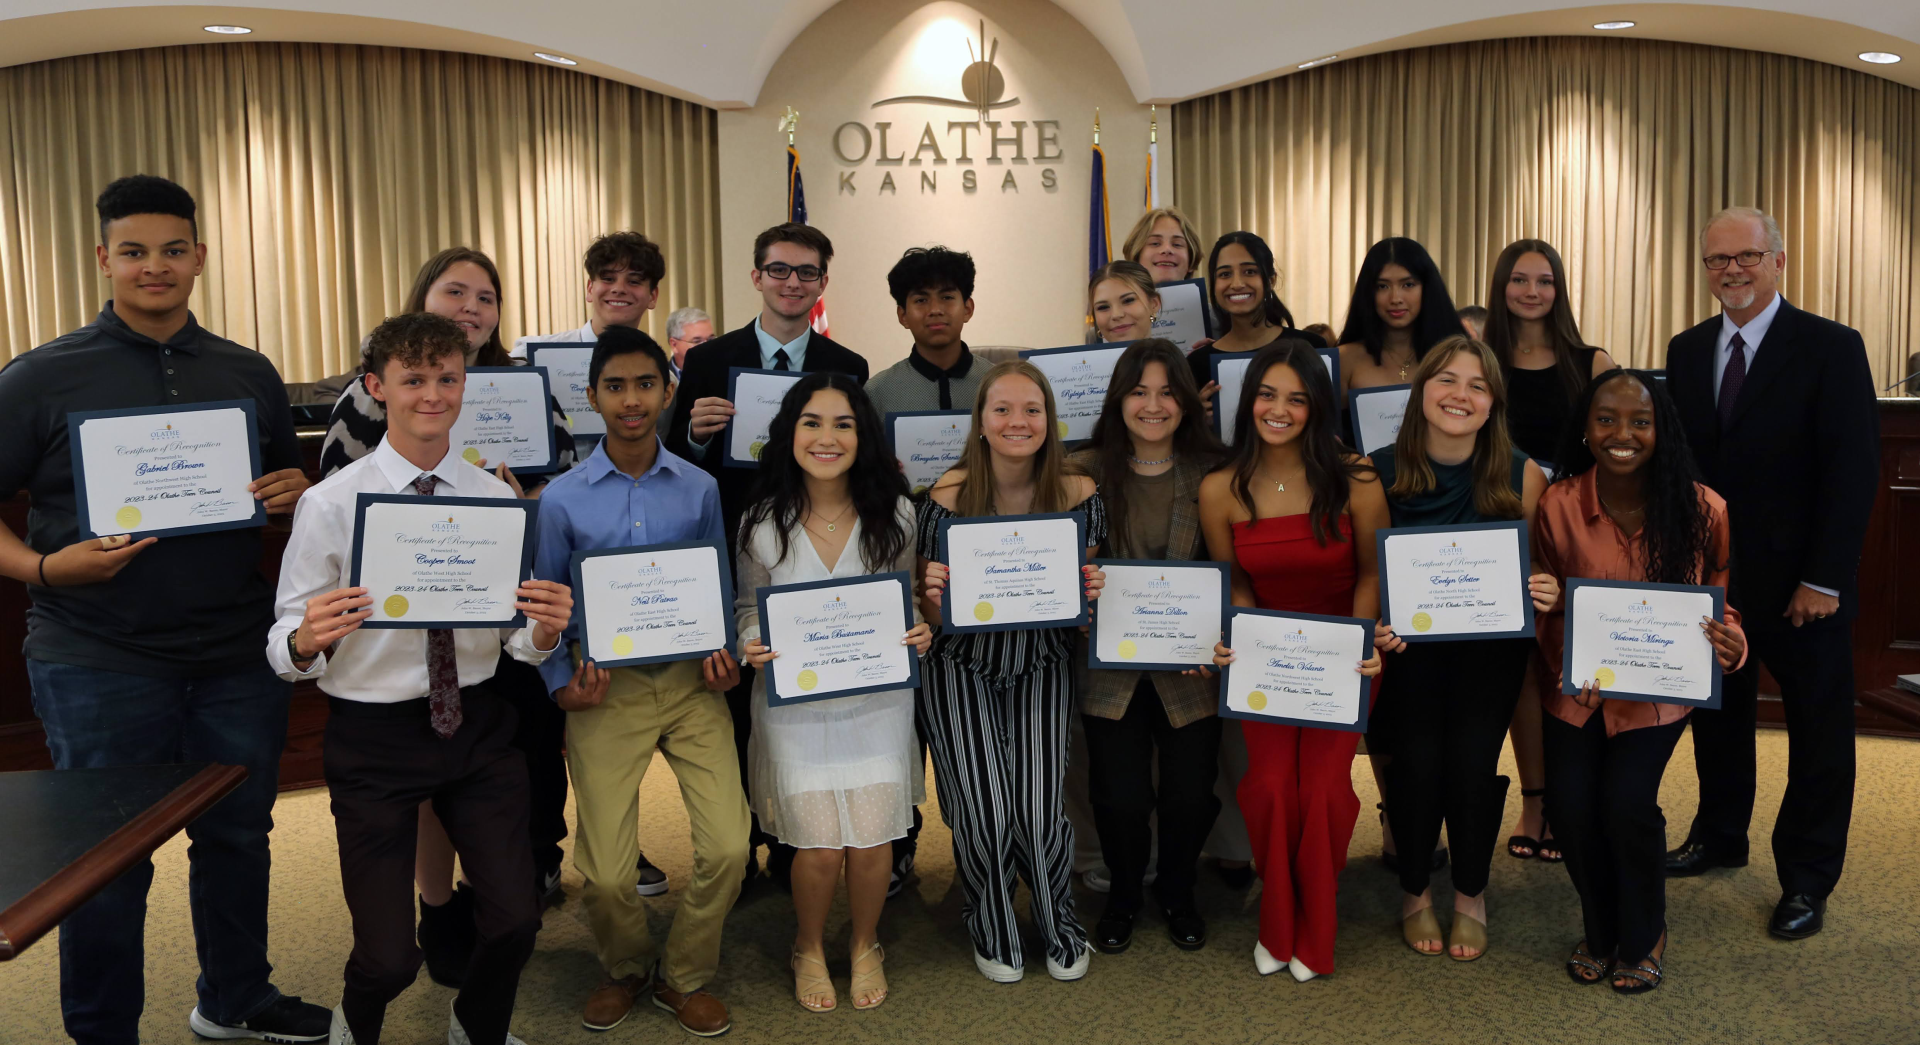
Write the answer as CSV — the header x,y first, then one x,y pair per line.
x,y
34,914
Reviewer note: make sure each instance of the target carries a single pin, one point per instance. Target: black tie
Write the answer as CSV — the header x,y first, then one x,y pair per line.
x,y
780,360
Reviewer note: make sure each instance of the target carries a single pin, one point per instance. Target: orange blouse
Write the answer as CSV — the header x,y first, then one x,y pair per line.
x,y
1574,537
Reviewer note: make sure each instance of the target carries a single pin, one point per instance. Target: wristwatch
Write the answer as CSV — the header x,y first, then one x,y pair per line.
x,y
293,650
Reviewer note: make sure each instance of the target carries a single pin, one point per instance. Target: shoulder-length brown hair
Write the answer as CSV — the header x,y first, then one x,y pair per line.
x,y
1493,493
1136,240
1563,333
1111,448
1050,466
491,353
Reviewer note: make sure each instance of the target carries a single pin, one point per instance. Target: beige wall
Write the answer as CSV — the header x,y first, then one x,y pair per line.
x,y
1029,243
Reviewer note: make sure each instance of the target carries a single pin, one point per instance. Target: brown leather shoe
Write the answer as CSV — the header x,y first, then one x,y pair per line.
x,y
699,1012
611,1002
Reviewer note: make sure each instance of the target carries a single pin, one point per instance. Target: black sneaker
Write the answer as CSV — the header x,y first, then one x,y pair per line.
x,y
902,870
653,881
548,879
447,936
288,1020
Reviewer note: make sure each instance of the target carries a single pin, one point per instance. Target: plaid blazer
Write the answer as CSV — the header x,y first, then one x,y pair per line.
x,y
1187,698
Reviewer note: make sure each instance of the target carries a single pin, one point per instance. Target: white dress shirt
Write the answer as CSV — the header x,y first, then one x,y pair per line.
x,y
377,665
582,336
1750,335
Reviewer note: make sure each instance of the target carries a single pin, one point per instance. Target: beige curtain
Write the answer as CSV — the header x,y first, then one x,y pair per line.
x,y
1612,150
326,174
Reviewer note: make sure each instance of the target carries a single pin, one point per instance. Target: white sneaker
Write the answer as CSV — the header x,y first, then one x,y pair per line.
x,y
457,1035
995,971
1068,973
338,1034
1264,961
1299,970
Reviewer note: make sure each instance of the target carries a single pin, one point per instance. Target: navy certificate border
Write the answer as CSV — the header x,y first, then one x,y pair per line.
x,y
544,404
1226,607
534,349
893,441
1206,302
733,396
969,627
1365,683
532,509
1353,409
1519,527
1569,687
1220,405
1097,346
246,406
776,699
726,603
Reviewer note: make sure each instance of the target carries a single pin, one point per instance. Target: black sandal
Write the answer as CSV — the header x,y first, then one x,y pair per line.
x,y
1580,959
1648,978
1528,843
1547,852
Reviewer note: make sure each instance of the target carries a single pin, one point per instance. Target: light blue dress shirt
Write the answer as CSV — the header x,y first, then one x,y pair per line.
x,y
595,506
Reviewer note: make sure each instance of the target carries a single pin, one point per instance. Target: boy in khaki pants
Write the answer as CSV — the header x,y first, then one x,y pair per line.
x,y
630,491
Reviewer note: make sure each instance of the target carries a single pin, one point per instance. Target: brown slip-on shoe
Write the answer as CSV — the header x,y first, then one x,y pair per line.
x,y
611,1002
699,1012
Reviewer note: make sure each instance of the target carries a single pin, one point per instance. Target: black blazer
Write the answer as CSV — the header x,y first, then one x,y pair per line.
x,y
705,376
1798,464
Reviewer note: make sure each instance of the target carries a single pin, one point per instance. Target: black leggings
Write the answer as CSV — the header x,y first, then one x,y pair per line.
x,y
1120,763
1449,704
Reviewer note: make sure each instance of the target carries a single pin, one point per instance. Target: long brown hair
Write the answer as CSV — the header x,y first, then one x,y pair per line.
x,y
491,353
1111,447
1493,494
1330,467
1563,333
1050,467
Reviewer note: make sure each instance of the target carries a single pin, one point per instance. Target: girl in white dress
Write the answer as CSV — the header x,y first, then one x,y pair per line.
x,y
837,779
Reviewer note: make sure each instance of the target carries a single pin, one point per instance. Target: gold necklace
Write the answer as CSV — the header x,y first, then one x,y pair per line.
x,y
831,523
1280,485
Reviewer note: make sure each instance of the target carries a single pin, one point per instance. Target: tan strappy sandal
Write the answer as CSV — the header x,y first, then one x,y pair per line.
x,y
1468,931
1420,926
872,980
807,984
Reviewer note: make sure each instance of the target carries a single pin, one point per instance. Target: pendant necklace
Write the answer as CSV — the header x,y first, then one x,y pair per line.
x,y
1281,485
1403,367
831,523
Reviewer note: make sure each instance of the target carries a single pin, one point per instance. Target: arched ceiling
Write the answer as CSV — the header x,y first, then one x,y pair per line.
x,y
718,52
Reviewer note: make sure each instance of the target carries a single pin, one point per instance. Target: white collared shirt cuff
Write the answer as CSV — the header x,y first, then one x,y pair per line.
x,y
521,648
1829,592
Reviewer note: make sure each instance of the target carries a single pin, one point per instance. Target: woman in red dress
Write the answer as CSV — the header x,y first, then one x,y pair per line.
x,y
1294,512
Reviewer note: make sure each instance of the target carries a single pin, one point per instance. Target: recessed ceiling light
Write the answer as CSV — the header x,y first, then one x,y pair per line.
x,y
555,58
227,30
1613,25
1879,57
1320,61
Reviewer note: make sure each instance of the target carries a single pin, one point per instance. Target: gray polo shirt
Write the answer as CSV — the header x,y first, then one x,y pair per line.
x,y
915,384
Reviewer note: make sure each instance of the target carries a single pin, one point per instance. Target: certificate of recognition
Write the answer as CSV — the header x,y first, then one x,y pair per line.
x,y
158,472
442,562
1230,372
1296,669
1079,376
505,416
1441,583
838,638
1161,616
1014,572
927,443
653,604
567,365
756,396
1185,315
1377,413
1642,641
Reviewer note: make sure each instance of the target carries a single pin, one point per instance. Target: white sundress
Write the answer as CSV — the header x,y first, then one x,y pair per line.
x,y
828,774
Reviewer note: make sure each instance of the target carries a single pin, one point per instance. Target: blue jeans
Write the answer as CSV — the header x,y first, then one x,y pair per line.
x,y
96,719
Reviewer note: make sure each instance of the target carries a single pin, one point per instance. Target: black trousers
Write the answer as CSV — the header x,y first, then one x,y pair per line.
x,y
1449,704
1814,666
1603,800
1120,783
541,739
382,761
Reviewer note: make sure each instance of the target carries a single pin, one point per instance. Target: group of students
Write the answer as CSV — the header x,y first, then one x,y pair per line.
x,y
451,741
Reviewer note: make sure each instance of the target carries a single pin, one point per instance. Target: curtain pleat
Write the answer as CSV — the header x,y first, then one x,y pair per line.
x,y
1615,151
327,173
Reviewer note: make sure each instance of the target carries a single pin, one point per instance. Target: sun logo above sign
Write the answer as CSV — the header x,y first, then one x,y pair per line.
x,y
981,83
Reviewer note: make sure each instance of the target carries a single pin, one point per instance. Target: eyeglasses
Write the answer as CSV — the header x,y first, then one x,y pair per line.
x,y
807,273
1746,258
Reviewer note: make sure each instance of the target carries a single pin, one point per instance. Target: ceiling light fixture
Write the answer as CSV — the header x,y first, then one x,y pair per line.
x,y
555,58
1879,57
1320,61
227,30
1613,25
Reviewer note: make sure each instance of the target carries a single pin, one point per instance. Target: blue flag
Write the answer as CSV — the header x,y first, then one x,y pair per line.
x,y
796,192
1099,234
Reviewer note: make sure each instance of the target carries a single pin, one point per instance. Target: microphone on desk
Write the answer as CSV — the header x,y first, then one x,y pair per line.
x,y
1912,379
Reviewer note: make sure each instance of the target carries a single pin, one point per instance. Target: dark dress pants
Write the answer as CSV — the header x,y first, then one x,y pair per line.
x,y
1603,800
1120,756
382,761
541,739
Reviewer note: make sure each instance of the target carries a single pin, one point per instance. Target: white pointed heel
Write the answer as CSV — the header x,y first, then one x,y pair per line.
x,y
1298,968
1265,962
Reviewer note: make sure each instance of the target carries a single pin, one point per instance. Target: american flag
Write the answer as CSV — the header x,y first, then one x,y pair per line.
x,y
797,213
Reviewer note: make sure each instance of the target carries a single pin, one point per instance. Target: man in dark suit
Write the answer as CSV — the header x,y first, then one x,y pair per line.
x,y
790,272
1778,405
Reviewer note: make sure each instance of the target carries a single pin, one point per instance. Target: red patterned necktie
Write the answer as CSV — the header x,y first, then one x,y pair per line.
x,y
1732,378
443,671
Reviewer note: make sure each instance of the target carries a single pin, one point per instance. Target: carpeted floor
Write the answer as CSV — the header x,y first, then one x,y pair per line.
x,y
1859,981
